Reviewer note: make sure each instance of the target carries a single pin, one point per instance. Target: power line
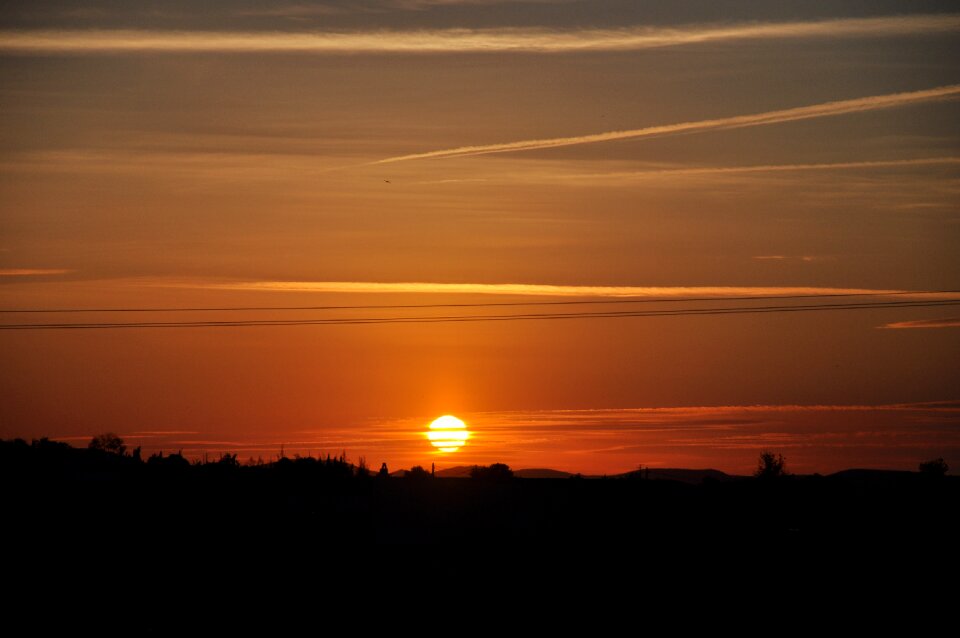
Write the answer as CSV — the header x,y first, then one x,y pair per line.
x,y
476,318
625,300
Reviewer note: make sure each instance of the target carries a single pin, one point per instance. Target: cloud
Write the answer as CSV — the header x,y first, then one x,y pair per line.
x,y
160,432
304,10
660,175
534,290
420,5
949,322
822,438
826,109
728,437
32,272
803,258
291,11
765,168
516,40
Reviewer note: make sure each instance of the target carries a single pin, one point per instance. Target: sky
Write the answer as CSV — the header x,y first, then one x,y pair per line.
x,y
462,153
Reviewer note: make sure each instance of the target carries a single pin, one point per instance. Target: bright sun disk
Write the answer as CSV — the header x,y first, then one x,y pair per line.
x,y
448,433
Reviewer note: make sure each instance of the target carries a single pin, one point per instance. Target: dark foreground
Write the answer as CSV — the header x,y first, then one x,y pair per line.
x,y
169,545
53,490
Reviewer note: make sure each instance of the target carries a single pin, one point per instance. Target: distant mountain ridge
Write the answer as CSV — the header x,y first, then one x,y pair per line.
x,y
463,471
683,475
693,477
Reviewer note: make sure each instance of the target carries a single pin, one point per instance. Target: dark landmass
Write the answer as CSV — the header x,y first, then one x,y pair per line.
x,y
542,473
464,471
51,486
693,477
162,539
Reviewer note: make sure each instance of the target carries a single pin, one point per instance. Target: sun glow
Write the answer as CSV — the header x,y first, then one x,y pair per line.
x,y
448,433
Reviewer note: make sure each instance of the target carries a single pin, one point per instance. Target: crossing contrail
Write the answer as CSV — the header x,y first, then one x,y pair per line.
x,y
825,109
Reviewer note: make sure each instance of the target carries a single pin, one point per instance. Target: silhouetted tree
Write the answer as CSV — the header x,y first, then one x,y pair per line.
x,y
417,472
171,460
934,467
771,466
495,472
362,470
108,442
228,460
384,472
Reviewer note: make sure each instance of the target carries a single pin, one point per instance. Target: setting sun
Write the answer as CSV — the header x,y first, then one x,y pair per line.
x,y
448,433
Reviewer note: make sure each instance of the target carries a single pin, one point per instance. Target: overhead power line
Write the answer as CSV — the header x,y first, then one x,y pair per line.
x,y
622,300
475,318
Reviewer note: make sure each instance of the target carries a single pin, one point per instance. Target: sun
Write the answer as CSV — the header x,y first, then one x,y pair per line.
x,y
448,433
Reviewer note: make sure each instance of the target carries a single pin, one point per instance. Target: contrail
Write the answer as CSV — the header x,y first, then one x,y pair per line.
x,y
857,105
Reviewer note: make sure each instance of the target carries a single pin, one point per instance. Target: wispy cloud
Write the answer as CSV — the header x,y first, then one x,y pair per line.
x,y
826,109
309,9
420,5
32,272
814,437
534,290
661,175
694,171
160,432
519,40
804,258
820,438
948,322
292,11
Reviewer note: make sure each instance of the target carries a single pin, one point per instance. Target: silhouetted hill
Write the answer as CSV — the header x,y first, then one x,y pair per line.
x,y
858,474
460,471
691,477
878,477
463,471
542,473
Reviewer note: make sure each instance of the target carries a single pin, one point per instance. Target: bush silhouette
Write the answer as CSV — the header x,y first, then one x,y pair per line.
x,y
229,460
934,467
108,442
771,466
417,472
495,472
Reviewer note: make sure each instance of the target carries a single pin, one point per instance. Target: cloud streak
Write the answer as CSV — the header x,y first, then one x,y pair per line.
x,y
949,322
420,5
825,109
804,258
32,272
821,438
532,290
503,40
767,168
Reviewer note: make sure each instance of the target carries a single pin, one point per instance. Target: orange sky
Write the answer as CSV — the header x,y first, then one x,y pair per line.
x,y
314,154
